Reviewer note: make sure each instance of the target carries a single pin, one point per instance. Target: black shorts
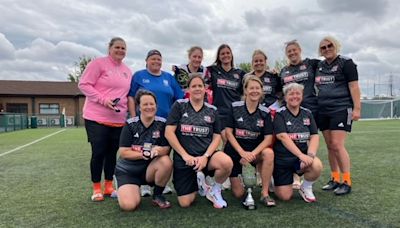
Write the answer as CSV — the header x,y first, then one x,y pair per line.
x,y
185,178
136,175
340,120
237,167
284,169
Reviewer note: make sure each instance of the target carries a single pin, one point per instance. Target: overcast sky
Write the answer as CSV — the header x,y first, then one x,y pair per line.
x,y
41,39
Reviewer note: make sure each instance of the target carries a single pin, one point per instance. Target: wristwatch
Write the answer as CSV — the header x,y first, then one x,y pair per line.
x,y
206,155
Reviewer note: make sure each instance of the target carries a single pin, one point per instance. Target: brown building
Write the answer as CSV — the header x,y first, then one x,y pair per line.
x,y
44,99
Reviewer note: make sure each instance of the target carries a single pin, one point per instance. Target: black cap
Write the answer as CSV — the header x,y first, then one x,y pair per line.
x,y
153,52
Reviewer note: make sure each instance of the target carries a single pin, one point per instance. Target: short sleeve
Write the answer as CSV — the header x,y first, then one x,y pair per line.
x,y
279,124
268,128
125,140
175,114
350,71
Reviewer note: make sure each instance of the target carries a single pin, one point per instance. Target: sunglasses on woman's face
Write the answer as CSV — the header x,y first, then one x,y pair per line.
x,y
323,48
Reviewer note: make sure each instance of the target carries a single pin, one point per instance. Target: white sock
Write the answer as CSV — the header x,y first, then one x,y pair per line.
x,y
307,184
217,187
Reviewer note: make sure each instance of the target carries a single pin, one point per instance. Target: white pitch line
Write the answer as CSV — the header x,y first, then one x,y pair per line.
x,y
33,142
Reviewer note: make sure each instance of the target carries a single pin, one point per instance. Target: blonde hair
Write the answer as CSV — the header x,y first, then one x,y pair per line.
x,y
258,52
332,40
251,77
292,42
194,48
292,86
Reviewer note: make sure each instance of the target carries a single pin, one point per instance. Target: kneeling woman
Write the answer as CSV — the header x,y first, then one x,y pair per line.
x,y
143,155
296,147
193,131
249,132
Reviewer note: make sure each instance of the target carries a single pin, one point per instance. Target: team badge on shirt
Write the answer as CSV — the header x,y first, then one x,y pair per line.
x,y
303,67
260,123
236,76
306,121
288,123
334,68
145,80
165,82
156,134
136,135
185,115
267,80
207,119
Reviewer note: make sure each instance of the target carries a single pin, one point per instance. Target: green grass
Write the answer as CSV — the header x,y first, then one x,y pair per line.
x,y
48,184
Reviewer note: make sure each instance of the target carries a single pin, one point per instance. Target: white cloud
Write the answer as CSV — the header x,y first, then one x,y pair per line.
x,y
40,40
7,50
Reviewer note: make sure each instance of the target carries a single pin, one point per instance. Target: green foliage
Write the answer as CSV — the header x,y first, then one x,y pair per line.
x,y
47,184
246,67
79,68
279,64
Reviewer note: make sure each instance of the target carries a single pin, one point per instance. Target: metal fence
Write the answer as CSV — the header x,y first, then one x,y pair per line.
x,y
17,121
13,122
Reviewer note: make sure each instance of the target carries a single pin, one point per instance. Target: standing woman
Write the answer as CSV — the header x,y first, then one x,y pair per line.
x,y
249,131
296,146
105,84
339,104
193,132
271,81
225,82
161,83
301,71
184,71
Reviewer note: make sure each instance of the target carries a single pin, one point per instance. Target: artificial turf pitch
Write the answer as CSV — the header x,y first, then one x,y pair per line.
x,y
47,184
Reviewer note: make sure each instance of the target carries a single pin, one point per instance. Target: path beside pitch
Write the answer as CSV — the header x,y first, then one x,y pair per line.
x,y
33,142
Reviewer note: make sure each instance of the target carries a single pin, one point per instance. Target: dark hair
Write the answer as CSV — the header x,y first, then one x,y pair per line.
x,y
113,40
222,46
141,92
193,76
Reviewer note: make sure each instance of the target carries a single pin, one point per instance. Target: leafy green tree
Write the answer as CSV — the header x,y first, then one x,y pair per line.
x,y
79,68
246,67
279,64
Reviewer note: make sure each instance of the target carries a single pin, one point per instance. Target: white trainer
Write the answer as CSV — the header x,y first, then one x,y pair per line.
x,y
145,191
226,185
167,190
214,195
307,194
201,183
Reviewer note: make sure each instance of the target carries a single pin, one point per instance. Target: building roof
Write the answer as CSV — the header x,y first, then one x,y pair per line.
x,y
37,88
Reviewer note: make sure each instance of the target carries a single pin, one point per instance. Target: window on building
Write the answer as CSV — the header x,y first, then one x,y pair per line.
x,y
17,107
49,108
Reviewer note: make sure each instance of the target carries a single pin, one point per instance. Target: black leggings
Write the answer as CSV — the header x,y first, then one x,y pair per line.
x,y
105,143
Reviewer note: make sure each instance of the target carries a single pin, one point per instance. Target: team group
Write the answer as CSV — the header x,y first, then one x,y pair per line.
x,y
218,119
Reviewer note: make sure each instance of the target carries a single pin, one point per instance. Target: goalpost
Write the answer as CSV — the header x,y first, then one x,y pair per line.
x,y
380,109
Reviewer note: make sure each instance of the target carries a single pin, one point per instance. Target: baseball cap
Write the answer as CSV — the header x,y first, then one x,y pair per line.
x,y
153,52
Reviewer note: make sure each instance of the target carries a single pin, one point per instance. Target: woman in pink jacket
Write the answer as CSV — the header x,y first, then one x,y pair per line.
x,y
105,83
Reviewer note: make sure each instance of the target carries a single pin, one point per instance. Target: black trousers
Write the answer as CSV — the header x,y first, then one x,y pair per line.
x,y
105,143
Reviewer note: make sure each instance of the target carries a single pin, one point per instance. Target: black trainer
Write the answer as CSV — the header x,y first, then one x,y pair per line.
x,y
160,201
343,189
331,185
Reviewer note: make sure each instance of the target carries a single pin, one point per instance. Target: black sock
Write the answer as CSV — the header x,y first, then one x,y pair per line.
x,y
158,190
